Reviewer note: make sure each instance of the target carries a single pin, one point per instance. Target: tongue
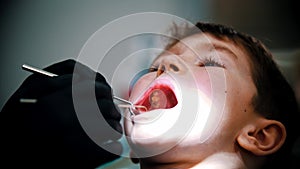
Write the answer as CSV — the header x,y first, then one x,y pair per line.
x,y
158,97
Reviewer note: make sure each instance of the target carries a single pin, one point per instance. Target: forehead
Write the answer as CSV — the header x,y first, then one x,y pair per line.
x,y
206,45
201,44
206,42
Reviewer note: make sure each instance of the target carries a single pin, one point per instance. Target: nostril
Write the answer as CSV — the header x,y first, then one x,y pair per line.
x,y
174,68
160,70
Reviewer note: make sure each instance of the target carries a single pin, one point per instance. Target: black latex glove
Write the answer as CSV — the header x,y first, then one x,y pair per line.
x,y
47,133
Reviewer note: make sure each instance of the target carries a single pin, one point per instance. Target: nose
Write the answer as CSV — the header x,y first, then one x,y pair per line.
x,y
170,63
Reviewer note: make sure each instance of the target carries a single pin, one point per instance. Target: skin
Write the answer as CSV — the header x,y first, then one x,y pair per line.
x,y
222,91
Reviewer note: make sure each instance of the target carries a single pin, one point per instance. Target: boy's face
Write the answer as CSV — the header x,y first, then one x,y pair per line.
x,y
197,98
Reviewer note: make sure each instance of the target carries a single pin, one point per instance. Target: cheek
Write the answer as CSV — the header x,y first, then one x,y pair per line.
x,y
203,82
213,83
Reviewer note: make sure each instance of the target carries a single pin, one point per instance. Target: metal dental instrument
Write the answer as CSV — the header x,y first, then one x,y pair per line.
x,y
127,104
37,70
131,107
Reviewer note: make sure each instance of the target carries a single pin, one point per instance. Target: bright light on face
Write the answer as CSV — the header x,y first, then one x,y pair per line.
x,y
168,123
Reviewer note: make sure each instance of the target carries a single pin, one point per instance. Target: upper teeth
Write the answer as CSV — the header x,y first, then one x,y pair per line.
x,y
158,99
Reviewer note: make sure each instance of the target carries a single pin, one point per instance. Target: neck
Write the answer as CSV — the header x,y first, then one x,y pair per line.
x,y
222,160
215,161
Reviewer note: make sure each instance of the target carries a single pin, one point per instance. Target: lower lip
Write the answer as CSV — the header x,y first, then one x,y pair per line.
x,y
153,115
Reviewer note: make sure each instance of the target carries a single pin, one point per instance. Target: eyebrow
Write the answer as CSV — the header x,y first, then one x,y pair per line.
x,y
222,49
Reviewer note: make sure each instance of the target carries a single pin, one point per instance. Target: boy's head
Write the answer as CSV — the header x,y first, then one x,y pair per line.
x,y
217,92
274,98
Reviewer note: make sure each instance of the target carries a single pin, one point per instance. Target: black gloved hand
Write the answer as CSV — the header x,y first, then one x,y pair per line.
x,y
48,132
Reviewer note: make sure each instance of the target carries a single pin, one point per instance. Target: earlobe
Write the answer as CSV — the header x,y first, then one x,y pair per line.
x,y
262,138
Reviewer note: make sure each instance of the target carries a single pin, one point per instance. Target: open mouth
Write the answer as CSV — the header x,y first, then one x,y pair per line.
x,y
159,96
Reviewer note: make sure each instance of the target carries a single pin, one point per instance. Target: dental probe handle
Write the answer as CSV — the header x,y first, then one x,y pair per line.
x,y
37,70
46,73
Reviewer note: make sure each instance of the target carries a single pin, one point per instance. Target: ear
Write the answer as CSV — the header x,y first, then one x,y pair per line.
x,y
262,138
133,157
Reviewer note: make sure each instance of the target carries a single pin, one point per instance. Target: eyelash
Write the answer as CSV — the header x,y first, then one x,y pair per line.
x,y
210,61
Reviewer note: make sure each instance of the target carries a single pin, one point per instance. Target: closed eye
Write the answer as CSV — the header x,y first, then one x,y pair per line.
x,y
210,62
